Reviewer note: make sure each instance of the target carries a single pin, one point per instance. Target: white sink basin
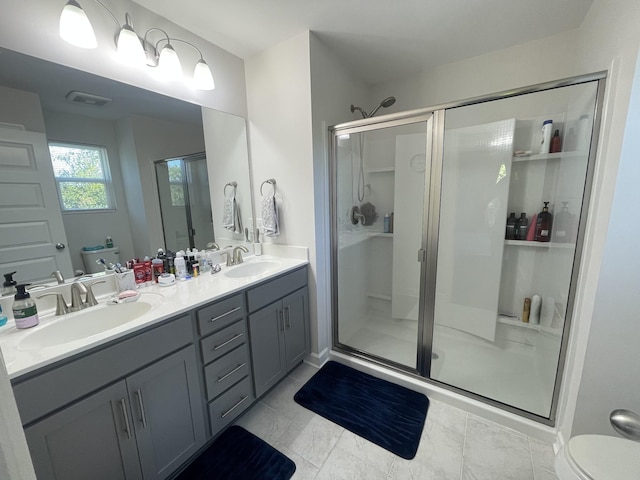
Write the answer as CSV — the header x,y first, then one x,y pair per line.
x,y
252,269
85,323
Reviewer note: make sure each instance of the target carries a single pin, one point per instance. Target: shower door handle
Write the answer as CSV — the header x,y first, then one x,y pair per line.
x,y
422,255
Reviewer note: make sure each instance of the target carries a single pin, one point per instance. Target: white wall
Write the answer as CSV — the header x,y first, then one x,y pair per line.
x,y
607,40
32,28
88,229
609,379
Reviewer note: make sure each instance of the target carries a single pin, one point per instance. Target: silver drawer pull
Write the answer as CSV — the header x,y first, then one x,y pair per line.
x,y
224,377
143,417
125,417
234,310
234,407
235,337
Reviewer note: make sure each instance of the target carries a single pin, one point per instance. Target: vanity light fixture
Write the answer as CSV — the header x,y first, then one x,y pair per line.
x,y
76,29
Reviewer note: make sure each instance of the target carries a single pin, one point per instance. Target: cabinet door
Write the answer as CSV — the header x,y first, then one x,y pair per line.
x,y
93,439
266,327
295,323
167,413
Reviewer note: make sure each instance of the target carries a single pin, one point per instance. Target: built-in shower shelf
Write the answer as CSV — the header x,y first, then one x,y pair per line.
x,y
516,322
379,296
550,156
381,234
525,243
382,170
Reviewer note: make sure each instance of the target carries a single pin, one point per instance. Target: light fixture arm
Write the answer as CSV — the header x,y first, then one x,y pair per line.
x,y
110,13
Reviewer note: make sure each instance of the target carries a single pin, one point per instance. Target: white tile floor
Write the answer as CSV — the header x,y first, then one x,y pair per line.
x,y
455,445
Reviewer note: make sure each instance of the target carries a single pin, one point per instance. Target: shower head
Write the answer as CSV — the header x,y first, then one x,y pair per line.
x,y
387,102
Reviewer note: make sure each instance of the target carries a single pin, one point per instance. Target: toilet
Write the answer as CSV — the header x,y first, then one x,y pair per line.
x,y
598,457
110,255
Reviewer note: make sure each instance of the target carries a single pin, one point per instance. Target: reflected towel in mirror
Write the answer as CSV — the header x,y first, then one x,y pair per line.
x,y
270,216
231,218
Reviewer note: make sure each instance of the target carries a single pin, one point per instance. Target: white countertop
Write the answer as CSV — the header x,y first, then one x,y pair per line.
x,y
167,302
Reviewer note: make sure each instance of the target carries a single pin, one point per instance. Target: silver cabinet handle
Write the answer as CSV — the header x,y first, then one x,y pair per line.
x,y
125,417
287,317
234,407
143,417
227,375
281,315
235,337
233,310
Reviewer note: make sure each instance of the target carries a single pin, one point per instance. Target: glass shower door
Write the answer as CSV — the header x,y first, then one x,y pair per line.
x,y
380,174
503,288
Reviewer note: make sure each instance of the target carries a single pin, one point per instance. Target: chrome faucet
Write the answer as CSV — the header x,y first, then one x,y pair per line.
x,y
213,246
58,276
77,290
61,305
237,254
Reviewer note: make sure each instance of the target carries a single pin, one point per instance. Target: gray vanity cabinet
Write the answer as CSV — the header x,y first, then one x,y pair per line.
x,y
142,427
89,439
279,330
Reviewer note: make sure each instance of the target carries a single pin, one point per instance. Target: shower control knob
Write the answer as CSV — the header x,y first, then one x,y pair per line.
x,y
60,246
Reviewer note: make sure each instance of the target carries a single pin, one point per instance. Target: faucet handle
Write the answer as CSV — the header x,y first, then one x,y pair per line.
x,y
61,305
58,276
91,299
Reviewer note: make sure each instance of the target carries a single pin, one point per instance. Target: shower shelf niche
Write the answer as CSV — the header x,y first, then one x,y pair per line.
x,y
382,170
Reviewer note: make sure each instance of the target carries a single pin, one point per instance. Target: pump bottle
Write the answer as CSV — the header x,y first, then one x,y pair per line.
x,y
25,312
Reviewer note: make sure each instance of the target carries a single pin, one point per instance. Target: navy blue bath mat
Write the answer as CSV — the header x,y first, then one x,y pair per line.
x,y
239,455
388,415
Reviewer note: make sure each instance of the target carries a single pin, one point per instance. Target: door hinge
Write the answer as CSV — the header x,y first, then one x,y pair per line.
x,y
422,255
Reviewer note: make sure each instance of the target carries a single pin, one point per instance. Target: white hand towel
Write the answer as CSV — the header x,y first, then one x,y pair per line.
x,y
270,216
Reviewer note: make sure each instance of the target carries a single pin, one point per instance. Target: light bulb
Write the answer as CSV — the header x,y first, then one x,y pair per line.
x,y
202,78
75,27
169,64
130,49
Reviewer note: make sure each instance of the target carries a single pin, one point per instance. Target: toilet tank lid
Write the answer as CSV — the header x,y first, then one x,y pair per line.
x,y
603,457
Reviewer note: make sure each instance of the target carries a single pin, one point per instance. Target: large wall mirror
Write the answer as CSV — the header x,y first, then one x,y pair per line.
x,y
102,178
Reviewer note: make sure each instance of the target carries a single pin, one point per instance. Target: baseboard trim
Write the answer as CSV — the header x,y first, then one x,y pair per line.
x,y
318,359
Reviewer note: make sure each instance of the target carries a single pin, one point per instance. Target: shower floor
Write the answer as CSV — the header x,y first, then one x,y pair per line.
x,y
508,375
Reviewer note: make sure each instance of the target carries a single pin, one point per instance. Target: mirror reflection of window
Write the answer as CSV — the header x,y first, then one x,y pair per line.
x,y
176,179
82,177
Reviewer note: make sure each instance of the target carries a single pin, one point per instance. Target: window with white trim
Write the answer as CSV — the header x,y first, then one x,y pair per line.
x,y
82,177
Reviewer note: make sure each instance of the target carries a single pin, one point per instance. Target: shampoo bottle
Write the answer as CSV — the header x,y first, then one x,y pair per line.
x,y
512,224
521,227
556,142
543,225
25,312
545,136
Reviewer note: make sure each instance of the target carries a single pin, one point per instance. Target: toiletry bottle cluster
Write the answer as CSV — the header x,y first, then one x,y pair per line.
x,y
543,226
578,138
537,310
539,229
550,143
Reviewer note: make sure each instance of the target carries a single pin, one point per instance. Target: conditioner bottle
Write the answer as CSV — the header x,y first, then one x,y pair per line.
x,y
543,224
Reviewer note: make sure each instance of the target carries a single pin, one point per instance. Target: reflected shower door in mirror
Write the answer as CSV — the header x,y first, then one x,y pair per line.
x,y
379,191
44,102
185,206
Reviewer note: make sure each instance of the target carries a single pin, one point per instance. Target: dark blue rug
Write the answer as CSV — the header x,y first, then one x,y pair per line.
x,y
239,455
386,414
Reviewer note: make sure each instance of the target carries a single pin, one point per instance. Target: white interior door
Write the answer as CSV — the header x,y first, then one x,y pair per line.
x,y
32,235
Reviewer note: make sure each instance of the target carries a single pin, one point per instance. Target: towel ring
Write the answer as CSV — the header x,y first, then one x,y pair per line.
x,y
270,181
230,184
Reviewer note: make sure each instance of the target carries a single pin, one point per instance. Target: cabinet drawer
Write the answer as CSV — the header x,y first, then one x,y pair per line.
x,y
226,371
219,343
275,289
220,314
230,404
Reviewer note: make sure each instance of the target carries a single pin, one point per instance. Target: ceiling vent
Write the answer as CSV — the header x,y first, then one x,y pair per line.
x,y
87,99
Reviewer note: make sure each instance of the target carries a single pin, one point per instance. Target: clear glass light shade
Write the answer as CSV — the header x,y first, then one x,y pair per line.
x,y
169,66
130,49
75,27
202,78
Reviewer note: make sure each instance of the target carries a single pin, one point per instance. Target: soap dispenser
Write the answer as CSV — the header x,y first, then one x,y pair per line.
x,y
25,312
9,285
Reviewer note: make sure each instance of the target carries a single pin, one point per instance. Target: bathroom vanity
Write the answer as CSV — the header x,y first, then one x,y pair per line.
x,y
140,405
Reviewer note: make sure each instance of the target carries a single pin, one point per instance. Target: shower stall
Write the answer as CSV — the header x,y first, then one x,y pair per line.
x,y
429,276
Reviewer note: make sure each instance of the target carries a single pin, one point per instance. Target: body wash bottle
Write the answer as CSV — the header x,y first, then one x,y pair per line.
x,y
543,225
